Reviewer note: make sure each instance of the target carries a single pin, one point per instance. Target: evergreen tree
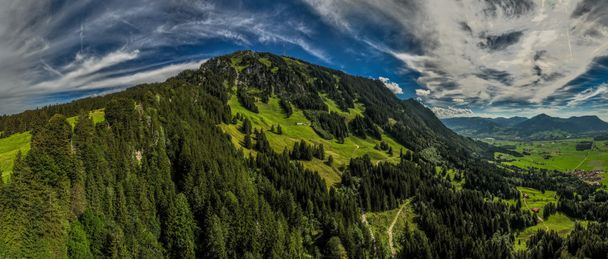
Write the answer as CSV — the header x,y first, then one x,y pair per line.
x,y
279,129
246,128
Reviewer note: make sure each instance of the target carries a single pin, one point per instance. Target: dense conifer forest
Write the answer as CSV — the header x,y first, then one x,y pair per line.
x,y
159,178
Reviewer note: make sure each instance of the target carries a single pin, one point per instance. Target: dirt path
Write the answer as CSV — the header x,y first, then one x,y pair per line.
x,y
389,231
369,228
581,163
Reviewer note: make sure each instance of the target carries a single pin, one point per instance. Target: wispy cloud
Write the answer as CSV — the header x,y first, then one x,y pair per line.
x,y
55,46
84,70
590,93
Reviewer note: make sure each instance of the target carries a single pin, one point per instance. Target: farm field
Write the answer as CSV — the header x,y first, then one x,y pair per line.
x,y
9,147
297,127
557,154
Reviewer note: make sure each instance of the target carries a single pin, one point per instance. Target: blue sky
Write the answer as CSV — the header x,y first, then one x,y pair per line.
x,y
460,58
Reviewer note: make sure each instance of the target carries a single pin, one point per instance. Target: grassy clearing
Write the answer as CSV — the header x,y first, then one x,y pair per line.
x,y
558,222
538,199
451,174
236,63
296,128
9,147
97,116
379,223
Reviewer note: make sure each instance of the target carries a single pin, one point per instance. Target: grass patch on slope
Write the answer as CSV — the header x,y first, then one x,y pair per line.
x,y
451,176
296,128
9,147
352,112
96,116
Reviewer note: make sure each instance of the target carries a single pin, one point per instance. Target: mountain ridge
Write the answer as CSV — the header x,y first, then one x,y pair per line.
x,y
541,126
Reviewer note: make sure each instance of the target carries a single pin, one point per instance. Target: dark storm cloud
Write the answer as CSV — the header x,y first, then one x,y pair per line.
x,y
495,75
500,42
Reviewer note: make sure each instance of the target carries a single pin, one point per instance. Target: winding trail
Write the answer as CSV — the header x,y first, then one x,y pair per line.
x,y
389,231
369,228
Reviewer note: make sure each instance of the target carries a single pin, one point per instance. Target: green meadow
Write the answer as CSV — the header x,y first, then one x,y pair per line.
x,y
9,148
297,127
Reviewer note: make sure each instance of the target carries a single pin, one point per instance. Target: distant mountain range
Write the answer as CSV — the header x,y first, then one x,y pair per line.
x,y
538,127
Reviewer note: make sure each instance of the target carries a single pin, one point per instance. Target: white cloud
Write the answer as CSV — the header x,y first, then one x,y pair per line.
x,y
449,112
152,76
484,52
423,92
394,87
458,100
84,70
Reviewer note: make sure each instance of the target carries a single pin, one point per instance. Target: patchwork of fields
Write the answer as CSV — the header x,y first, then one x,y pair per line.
x,y
557,154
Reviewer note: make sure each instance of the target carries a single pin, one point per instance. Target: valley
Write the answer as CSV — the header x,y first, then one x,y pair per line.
x,y
559,155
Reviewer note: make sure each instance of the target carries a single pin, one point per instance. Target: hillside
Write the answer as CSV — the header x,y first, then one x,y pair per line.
x,y
538,127
260,156
310,87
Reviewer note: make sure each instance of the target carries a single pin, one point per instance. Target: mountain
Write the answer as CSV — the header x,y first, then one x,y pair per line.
x,y
470,126
508,122
252,155
541,126
255,155
307,86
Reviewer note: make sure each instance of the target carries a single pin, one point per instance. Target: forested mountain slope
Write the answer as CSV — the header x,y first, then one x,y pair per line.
x,y
169,172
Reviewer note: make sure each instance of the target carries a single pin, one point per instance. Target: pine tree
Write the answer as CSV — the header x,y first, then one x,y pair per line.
x,y
279,129
330,160
246,128
181,229
247,141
